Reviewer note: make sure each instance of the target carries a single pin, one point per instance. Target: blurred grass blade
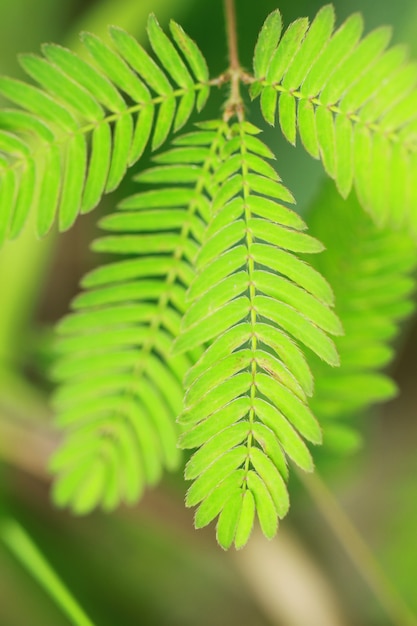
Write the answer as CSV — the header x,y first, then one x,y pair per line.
x,y
26,552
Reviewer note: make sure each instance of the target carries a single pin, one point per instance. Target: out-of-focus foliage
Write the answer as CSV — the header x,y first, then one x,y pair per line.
x,y
159,575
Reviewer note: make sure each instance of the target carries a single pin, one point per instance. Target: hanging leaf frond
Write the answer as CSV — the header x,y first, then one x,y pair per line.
x,y
372,273
120,386
72,138
353,102
253,304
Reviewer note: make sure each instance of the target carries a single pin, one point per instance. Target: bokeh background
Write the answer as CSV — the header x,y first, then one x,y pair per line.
x,y
146,565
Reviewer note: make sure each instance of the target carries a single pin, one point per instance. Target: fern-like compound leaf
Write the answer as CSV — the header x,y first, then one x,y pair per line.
x,y
120,387
353,102
372,272
72,138
246,403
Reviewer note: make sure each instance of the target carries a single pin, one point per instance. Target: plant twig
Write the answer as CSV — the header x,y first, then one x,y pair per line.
x,y
229,8
234,105
358,551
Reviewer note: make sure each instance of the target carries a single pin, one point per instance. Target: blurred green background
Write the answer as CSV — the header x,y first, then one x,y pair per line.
x,y
147,565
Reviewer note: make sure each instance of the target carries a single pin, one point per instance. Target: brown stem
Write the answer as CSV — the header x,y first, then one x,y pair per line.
x,y
234,105
229,7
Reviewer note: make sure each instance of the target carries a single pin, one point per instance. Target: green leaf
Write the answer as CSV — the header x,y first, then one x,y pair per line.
x,y
299,327
214,503
215,298
246,519
213,325
228,366
221,348
61,87
72,185
217,270
287,116
286,291
350,101
344,155
82,116
152,220
114,67
370,274
250,368
120,385
269,99
26,197
91,489
140,61
286,51
314,42
7,196
327,140
122,141
12,144
164,122
362,163
362,58
20,121
49,190
216,446
287,351
221,242
296,411
272,479
202,97
404,111
276,368
191,52
85,75
98,168
267,42
283,237
185,108
272,188
271,447
306,121
217,398
369,83
380,183
215,474
37,102
224,417
170,174
285,433
228,521
295,269
264,505
342,43
167,54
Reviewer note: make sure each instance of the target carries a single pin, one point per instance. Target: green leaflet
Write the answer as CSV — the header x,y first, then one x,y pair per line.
x,y
140,61
120,385
191,52
89,122
245,407
59,85
98,169
266,43
340,46
315,40
353,104
167,54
